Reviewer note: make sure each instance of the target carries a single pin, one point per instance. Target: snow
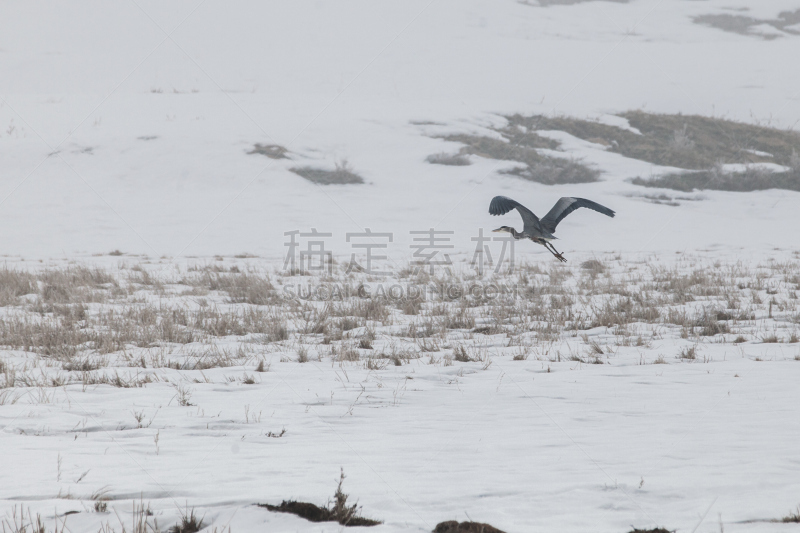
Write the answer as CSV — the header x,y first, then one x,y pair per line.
x,y
759,153
126,126
741,167
231,76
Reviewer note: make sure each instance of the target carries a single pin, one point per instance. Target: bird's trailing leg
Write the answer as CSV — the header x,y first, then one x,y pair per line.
x,y
555,252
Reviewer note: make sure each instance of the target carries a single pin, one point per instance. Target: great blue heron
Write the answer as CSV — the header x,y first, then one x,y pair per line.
x,y
541,231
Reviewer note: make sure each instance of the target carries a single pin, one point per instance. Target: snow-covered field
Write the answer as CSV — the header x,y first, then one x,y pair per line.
x,y
164,375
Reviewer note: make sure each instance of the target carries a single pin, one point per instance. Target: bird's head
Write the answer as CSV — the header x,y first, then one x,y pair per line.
x,y
503,229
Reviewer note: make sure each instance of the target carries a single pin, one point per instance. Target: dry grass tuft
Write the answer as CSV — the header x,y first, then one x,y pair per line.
x,y
453,526
189,523
14,284
593,266
273,151
752,179
690,352
692,142
342,175
785,24
89,326
455,160
792,517
336,511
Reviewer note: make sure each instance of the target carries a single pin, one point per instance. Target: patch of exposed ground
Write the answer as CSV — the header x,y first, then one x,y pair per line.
x,y
548,3
523,147
341,175
683,141
454,160
791,518
769,157
273,151
452,526
338,511
752,179
691,142
786,23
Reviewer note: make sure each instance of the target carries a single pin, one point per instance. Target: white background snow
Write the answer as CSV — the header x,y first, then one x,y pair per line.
x,y
126,125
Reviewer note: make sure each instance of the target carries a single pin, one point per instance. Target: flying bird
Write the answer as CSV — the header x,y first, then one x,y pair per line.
x,y
541,231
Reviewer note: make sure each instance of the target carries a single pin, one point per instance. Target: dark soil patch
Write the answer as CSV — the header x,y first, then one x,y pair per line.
x,y
697,142
341,176
791,518
273,151
522,147
456,160
314,513
692,142
744,25
189,524
453,526
752,179
336,511
546,3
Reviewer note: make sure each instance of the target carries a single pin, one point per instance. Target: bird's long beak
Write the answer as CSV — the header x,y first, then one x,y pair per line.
x,y
497,230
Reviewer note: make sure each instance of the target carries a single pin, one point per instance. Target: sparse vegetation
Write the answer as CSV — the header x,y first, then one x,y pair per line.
x,y
273,151
453,526
84,318
343,174
792,518
752,179
442,158
701,145
523,148
785,24
189,523
692,142
20,523
78,327
336,511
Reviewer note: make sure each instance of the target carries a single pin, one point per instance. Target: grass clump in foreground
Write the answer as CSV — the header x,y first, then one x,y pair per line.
x,y
336,511
342,175
791,518
452,526
189,523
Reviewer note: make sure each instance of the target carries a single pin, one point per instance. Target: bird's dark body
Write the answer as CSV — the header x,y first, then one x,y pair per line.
x,y
541,230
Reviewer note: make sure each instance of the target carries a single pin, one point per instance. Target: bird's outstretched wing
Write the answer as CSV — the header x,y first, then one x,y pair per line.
x,y
502,204
567,205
